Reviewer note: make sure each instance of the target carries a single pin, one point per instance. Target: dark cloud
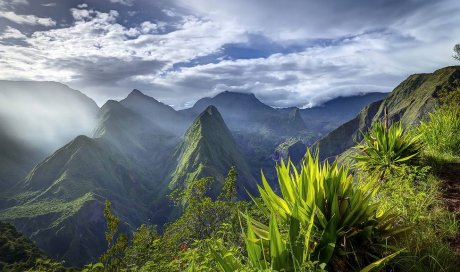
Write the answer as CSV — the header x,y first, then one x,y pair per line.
x,y
107,70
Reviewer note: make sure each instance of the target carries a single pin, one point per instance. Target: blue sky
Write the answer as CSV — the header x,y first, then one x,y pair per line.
x,y
289,53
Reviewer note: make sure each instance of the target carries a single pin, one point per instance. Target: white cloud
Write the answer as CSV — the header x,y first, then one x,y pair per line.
x,y
66,54
123,2
12,33
82,6
367,47
49,4
366,63
169,12
27,19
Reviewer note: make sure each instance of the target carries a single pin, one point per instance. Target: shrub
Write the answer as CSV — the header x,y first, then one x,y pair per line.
x,y
385,149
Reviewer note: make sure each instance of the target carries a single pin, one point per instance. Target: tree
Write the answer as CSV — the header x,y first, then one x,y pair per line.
x,y
457,52
229,190
117,242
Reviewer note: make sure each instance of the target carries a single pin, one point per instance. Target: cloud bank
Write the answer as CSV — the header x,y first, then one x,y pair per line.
x,y
300,53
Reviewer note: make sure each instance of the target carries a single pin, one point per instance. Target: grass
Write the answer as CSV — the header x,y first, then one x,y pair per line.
x,y
441,135
413,194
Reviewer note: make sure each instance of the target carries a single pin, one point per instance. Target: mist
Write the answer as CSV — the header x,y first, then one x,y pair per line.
x,y
44,115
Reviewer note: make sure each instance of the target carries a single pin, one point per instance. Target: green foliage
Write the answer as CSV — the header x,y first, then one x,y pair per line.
x,y
194,192
116,242
17,252
441,133
48,265
322,215
385,149
414,195
230,189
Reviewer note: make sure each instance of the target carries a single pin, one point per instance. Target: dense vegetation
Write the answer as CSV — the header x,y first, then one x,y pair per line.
x,y
381,210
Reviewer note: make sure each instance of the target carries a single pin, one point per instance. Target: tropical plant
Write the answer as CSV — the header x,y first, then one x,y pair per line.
x,y
385,148
323,217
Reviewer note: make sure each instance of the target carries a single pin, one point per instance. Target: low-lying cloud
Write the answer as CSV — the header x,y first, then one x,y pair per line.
x,y
44,115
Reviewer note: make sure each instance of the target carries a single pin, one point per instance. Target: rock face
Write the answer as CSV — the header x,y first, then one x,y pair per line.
x,y
408,103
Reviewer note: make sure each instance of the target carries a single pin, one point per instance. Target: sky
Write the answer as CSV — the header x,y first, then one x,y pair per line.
x,y
288,53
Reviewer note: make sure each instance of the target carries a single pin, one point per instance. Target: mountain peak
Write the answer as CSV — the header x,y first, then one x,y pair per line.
x,y
136,92
211,118
210,110
136,95
208,149
111,104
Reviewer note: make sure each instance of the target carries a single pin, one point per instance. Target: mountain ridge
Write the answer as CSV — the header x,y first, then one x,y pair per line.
x,y
408,102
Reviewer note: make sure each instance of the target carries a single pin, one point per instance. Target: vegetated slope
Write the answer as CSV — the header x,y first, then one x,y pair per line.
x,y
408,102
208,149
17,252
257,128
162,115
60,203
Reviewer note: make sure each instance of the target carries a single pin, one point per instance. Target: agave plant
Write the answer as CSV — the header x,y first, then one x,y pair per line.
x,y
321,217
385,148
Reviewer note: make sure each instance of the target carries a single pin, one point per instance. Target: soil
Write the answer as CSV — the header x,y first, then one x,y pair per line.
x,y
451,196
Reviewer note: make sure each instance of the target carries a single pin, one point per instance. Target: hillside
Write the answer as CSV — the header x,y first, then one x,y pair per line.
x,y
59,204
408,102
208,149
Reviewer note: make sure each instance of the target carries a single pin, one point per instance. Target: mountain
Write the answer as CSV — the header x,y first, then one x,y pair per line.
x,y
333,113
60,202
408,102
244,112
208,149
257,128
160,114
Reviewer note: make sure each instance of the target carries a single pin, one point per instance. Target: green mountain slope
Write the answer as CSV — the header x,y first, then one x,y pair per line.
x,y
59,204
408,102
208,149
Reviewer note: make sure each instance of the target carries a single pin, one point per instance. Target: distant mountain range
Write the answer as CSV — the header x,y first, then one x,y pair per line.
x,y
135,153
